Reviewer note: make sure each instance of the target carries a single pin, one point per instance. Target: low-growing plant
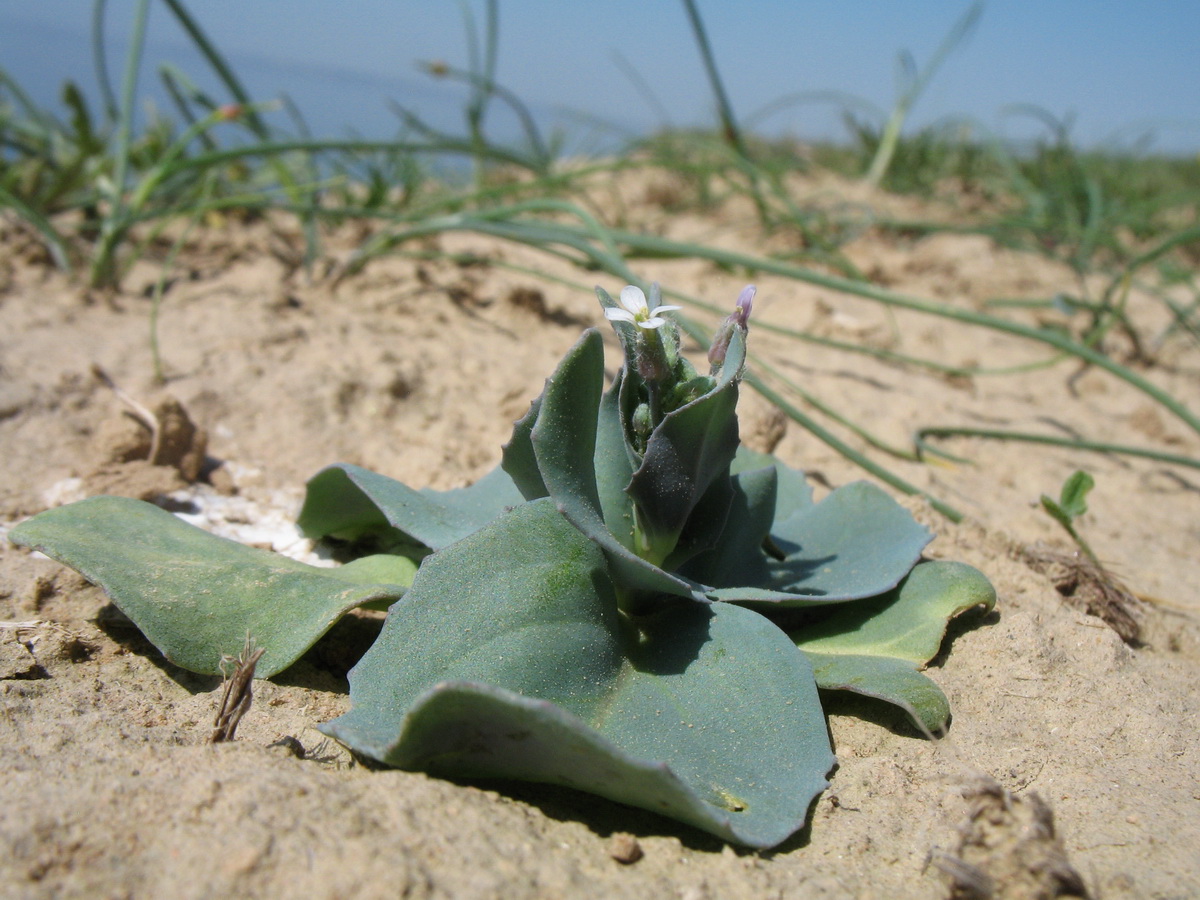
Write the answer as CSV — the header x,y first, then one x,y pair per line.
x,y
1082,580
1070,505
631,604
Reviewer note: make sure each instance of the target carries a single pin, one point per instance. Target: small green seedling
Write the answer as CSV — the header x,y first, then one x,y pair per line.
x,y
633,604
1071,504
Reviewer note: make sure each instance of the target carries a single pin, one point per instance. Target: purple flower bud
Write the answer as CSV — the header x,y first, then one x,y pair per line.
x,y
740,318
720,343
745,303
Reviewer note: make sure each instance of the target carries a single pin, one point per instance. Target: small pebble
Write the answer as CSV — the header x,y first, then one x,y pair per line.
x,y
624,848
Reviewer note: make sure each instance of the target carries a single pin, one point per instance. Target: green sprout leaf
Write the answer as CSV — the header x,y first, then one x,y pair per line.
x,y
1071,504
877,647
704,713
196,596
1072,500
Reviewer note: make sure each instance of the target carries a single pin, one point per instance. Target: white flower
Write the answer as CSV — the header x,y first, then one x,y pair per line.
x,y
637,310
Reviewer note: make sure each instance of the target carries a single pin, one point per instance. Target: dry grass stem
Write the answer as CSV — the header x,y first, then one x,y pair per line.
x,y
238,693
138,410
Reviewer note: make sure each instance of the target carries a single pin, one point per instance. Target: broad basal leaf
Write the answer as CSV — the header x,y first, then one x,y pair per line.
x,y
876,647
194,595
508,657
857,542
352,503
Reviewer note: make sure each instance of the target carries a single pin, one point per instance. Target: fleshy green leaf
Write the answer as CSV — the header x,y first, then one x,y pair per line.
x,y
564,436
876,647
379,568
519,461
689,452
352,503
794,492
196,596
857,542
893,680
682,487
738,558
564,442
706,713
614,466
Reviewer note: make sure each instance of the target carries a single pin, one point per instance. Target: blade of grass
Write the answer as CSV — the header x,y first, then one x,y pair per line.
x,y
55,243
729,127
908,96
217,63
102,264
100,60
921,440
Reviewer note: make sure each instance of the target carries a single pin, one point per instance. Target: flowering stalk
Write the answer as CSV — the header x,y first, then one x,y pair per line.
x,y
680,426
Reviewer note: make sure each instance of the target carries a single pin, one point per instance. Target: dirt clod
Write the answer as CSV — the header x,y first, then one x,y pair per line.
x,y
1009,850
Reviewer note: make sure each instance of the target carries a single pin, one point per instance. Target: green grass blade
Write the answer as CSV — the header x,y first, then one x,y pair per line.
x,y
923,435
55,242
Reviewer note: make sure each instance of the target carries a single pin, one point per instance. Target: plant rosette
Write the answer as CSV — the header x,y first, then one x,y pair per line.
x,y
632,604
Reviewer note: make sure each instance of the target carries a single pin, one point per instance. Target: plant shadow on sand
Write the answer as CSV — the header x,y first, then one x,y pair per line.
x,y
606,818
323,668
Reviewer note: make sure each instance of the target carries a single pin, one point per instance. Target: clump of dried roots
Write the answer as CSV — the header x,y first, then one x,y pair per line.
x,y
1090,587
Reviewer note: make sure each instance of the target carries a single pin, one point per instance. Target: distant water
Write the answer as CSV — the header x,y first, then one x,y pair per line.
x,y
332,102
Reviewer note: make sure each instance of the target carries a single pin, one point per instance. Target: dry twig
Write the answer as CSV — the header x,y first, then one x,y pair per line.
x,y
238,693
138,410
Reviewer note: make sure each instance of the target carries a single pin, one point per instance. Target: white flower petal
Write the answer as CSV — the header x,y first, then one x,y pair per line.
x,y
618,315
663,309
634,300
652,323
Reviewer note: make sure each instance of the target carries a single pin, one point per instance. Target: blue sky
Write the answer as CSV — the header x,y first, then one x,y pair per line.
x,y
1121,69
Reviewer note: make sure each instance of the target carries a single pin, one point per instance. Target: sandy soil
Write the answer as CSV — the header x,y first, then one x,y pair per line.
x,y
417,369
